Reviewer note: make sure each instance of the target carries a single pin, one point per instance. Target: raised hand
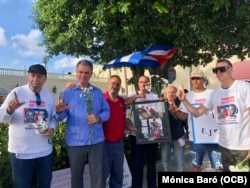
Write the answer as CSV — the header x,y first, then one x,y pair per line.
x,y
141,95
61,106
161,98
14,104
172,106
181,93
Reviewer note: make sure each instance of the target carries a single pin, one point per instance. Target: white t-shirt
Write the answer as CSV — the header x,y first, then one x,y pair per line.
x,y
197,99
24,138
234,131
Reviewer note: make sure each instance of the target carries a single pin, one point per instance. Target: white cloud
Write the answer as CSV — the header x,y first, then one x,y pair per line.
x,y
27,45
66,62
3,41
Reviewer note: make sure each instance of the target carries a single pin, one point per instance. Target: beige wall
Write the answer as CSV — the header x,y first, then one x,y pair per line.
x,y
100,77
182,75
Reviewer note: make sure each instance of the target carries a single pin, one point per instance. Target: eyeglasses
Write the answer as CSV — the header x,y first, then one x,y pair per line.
x,y
195,78
221,69
38,99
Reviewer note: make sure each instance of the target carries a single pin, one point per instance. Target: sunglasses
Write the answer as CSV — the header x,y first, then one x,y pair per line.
x,y
38,99
221,69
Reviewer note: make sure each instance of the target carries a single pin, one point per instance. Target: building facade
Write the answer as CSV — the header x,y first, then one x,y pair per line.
x,y
11,78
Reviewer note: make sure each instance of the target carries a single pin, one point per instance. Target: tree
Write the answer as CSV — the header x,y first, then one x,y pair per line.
x,y
104,30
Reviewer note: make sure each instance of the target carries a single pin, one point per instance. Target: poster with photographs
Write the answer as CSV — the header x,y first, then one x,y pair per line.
x,y
152,122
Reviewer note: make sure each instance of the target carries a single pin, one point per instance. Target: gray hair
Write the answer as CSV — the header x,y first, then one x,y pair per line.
x,y
85,62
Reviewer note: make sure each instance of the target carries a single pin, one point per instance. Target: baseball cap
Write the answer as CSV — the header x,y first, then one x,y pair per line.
x,y
197,73
38,68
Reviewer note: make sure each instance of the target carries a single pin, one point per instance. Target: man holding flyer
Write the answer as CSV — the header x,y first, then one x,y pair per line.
x,y
203,134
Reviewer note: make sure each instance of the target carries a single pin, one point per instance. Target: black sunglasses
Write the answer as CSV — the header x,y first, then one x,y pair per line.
x,y
221,69
38,99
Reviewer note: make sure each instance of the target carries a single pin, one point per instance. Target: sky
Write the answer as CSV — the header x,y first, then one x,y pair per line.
x,y
19,39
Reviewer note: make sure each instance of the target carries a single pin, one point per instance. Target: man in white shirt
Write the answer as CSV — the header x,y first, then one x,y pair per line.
x,y
234,133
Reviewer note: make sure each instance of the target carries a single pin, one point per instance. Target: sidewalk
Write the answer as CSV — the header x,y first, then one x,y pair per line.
x,y
188,166
188,163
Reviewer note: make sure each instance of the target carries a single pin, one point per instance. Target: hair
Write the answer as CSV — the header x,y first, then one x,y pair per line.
x,y
85,62
221,108
141,110
234,106
45,112
144,77
171,86
30,110
115,76
229,64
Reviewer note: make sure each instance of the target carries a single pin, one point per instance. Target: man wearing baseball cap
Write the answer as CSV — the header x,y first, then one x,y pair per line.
x,y
30,145
37,68
197,74
200,141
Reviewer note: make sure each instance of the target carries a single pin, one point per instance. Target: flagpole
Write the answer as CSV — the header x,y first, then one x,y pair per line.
x,y
125,77
190,82
109,73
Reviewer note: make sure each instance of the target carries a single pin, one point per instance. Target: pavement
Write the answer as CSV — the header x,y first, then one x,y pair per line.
x,y
188,166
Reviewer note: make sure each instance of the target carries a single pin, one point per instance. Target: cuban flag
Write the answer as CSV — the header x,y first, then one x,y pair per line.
x,y
154,56
161,52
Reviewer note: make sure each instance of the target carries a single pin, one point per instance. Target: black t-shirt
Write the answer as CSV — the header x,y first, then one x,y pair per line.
x,y
176,126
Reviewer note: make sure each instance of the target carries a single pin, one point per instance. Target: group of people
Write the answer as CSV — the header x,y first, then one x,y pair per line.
x,y
197,96
95,124
233,139
233,131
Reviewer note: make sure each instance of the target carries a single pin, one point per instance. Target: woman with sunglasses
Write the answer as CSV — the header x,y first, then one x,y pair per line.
x,y
29,147
234,133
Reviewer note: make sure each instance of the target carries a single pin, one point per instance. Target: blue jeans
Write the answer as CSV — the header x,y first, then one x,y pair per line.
x,y
113,163
166,154
137,163
22,170
198,151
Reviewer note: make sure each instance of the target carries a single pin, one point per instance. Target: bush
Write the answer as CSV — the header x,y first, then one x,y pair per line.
x,y
5,172
60,154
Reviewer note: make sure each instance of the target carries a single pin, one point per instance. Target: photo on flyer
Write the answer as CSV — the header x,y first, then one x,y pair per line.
x,y
152,122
